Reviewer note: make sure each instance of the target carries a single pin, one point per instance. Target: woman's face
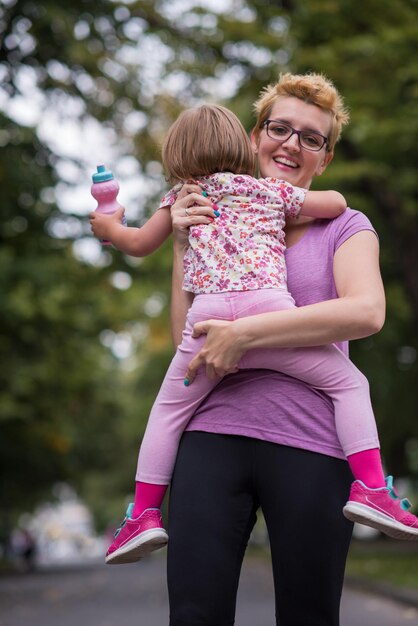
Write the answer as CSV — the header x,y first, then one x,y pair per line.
x,y
287,160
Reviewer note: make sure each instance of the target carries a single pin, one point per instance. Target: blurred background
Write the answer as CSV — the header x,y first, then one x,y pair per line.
x,y
85,336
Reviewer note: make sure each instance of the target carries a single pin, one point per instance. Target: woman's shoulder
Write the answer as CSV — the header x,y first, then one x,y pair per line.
x,y
344,226
349,216
352,216
349,223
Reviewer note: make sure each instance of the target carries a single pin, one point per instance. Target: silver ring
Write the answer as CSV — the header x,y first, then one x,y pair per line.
x,y
186,212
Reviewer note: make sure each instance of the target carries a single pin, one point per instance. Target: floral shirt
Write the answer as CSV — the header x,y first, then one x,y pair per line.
x,y
243,248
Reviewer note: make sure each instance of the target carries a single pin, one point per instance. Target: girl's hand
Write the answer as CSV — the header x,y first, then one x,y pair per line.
x,y
102,223
221,352
191,207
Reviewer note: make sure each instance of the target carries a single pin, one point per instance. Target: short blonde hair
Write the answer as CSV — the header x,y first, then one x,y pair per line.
x,y
205,140
311,88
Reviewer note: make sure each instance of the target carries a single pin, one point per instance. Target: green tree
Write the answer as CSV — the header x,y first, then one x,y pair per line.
x,y
64,398
69,407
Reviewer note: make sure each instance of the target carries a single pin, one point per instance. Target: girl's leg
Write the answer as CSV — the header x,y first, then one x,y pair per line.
x,y
324,367
367,467
147,496
141,531
301,495
328,369
211,514
176,403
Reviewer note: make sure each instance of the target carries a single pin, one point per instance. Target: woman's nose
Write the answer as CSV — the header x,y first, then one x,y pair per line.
x,y
292,142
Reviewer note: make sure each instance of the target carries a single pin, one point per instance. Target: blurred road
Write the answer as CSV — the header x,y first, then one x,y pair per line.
x,y
135,595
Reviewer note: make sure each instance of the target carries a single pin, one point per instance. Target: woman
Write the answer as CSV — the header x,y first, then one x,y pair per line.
x,y
261,439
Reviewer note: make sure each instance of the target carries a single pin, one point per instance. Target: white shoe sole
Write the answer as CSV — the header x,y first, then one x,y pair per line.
x,y
137,548
362,514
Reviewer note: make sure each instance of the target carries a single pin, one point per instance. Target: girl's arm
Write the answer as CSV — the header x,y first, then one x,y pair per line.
x,y
358,312
133,241
323,204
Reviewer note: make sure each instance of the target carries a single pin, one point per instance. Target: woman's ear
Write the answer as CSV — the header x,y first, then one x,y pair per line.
x,y
323,164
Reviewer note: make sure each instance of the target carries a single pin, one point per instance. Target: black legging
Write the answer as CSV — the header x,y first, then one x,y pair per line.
x,y
219,483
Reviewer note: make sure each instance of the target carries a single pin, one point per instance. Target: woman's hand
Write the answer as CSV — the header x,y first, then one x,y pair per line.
x,y
102,223
191,207
221,352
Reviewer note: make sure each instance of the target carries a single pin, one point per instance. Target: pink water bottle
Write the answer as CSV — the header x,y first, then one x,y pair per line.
x,y
105,189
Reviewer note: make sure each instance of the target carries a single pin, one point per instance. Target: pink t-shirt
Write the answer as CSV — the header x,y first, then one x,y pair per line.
x,y
272,406
242,249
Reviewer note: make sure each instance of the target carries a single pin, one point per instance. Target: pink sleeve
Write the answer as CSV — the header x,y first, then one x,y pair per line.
x,y
295,201
170,197
292,197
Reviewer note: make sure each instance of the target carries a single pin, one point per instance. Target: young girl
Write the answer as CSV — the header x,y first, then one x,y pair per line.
x,y
235,268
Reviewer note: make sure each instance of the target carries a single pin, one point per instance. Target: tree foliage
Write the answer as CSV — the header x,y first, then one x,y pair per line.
x,y
70,408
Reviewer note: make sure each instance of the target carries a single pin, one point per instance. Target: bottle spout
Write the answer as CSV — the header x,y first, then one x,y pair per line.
x,y
102,175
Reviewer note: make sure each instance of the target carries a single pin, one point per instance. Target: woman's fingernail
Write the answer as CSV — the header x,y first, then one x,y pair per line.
x,y
217,213
186,382
204,194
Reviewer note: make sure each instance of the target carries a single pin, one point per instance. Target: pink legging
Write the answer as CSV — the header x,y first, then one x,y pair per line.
x,y
325,367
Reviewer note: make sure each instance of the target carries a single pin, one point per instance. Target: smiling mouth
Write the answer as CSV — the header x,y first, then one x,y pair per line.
x,y
285,161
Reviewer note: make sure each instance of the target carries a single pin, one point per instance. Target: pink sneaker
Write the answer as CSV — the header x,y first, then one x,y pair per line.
x,y
137,537
381,509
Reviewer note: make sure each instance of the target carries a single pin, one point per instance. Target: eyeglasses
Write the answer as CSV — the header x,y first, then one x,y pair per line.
x,y
308,139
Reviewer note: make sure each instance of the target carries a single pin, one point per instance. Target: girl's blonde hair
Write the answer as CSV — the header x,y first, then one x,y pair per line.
x,y
311,88
205,140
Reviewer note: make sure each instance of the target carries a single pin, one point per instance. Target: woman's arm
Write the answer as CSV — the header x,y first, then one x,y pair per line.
x,y
359,311
133,241
190,208
180,300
